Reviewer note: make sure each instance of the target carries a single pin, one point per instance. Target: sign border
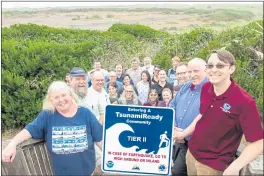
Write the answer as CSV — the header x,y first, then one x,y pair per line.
x,y
143,173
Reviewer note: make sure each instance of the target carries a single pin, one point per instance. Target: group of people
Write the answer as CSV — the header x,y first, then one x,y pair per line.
x,y
211,114
148,85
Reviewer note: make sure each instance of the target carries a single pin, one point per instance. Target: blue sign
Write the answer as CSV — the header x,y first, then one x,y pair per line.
x,y
137,139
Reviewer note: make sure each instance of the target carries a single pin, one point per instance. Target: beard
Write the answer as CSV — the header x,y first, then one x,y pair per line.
x,y
80,92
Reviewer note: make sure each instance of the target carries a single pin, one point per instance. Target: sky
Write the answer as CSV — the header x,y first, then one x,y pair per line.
x,y
6,5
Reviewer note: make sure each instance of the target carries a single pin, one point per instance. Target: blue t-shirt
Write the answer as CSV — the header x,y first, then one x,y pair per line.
x,y
171,75
70,141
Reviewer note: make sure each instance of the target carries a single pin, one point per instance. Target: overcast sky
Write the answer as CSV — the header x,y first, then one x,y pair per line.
x,y
81,4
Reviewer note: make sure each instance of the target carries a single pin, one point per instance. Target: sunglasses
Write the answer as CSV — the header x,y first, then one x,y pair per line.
x,y
218,66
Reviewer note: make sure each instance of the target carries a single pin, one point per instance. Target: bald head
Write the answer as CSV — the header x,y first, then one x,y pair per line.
x,y
198,62
96,74
196,70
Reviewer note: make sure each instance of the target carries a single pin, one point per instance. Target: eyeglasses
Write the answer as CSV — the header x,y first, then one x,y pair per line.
x,y
180,73
129,91
218,66
99,80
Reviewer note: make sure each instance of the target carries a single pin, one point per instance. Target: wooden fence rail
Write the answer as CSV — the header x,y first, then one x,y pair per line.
x,y
33,158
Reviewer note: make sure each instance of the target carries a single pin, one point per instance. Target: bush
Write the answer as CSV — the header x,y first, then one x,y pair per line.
x,y
139,31
29,69
33,56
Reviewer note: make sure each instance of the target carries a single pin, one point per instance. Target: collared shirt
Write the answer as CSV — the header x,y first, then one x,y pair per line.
x,y
225,118
186,104
159,88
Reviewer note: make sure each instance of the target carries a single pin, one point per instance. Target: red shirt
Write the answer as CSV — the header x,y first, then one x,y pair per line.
x,y
224,120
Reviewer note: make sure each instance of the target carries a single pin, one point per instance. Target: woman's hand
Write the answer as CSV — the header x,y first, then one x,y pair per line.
x,y
9,153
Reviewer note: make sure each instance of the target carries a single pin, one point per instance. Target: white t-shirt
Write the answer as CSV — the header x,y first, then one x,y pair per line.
x,y
95,101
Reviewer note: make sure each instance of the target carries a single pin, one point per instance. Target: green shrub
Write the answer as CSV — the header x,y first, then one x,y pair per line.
x,y
139,31
33,56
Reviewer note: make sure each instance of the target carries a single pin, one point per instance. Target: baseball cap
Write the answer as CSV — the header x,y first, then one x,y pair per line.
x,y
77,71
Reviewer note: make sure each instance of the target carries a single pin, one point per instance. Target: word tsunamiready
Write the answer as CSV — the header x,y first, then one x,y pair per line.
x,y
139,116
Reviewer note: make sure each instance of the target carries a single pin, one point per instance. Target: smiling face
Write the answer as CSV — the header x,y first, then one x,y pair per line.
x,y
156,71
144,77
162,75
217,70
134,65
129,92
196,70
119,69
61,100
153,95
112,77
126,81
181,74
112,90
97,66
167,96
147,61
79,85
174,63
98,81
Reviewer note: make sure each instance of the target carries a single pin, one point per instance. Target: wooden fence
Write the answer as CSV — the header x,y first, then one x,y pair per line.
x,y
33,158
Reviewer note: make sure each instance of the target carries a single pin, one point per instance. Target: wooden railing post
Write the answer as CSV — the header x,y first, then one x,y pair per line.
x,y
32,158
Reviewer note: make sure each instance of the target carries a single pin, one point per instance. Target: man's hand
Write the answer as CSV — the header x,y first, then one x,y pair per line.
x,y
231,170
178,135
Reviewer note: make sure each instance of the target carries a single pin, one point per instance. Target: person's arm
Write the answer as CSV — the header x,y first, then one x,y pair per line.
x,y
9,152
99,144
248,154
250,123
101,120
103,101
179,135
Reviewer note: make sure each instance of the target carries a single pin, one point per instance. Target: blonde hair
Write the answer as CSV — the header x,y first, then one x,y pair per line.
x,y
176,58
123,96
166,90
57,86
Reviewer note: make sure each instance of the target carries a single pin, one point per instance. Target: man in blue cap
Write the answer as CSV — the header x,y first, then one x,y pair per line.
x,y
79,83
